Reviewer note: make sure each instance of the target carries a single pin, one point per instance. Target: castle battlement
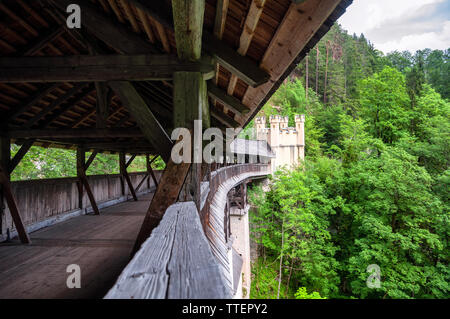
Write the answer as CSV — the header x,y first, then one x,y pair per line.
x,y
288,143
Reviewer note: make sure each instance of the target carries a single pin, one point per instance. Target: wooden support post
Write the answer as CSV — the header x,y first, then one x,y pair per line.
x,y
83,181
190,104
190,89
5,155
124,174
150,170
6,191
147,163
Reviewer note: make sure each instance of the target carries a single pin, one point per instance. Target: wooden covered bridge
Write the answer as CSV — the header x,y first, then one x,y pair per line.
x,y
120,82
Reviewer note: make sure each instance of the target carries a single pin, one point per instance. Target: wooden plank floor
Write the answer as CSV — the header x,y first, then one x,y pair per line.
x,y
100,245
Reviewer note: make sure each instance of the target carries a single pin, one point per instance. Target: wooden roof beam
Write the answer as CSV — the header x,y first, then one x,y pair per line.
x,y
303,20
221,17
31,102
243,67
119,37
86,68
76,133
251,22
229,101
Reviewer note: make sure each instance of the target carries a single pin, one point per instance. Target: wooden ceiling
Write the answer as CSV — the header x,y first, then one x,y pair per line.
x,y
249,38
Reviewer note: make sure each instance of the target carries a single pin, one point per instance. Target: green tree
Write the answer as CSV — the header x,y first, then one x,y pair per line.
x,y
385,105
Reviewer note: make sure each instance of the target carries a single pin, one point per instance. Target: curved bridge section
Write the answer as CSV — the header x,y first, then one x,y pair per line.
x,y
216,212
189,254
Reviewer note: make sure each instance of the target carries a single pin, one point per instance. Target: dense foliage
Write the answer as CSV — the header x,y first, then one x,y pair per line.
x,y
42,162
373,189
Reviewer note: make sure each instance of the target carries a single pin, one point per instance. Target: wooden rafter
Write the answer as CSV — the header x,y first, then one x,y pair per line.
x,y
230,101
220,19
219,27
303,20
243,67
43,41
55,104
112,33
130,15
146,23
251,22
31,102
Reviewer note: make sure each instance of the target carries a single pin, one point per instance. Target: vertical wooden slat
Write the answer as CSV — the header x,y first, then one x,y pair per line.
x,y
188,106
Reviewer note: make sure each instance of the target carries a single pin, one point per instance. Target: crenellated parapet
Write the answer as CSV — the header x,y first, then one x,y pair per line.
x,y
288,143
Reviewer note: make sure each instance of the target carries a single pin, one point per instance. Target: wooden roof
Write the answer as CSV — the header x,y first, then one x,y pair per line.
x,y
271,36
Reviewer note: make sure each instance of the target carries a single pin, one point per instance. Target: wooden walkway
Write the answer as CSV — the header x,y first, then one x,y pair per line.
x,y
100,245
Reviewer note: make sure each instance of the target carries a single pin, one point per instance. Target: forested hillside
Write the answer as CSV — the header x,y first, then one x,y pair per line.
x,y
374,188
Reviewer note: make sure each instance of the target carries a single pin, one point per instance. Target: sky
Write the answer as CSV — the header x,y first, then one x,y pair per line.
x,y
400,24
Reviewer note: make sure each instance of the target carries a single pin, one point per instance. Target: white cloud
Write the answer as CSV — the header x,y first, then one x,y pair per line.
x,y
414,42
400,24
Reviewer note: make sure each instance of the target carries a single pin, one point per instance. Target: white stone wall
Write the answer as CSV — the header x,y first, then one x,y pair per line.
x,y
288,143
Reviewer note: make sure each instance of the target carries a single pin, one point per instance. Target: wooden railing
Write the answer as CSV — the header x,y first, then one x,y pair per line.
x,y
181,261
43,202
215,215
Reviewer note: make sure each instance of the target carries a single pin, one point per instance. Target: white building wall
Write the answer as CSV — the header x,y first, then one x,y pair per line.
x,y
288,143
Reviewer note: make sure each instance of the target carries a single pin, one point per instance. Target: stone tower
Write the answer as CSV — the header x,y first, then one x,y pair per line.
x,y
288,143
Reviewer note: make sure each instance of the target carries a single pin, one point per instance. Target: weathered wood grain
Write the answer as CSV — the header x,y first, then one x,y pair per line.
x,y
100,244
85,68
166,194
12,205
175,262
43,202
